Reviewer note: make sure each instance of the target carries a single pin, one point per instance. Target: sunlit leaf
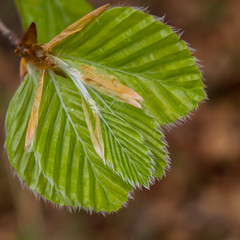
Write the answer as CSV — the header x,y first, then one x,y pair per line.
x,y
71,174
66,154
124,147
145,55
25,163
114,84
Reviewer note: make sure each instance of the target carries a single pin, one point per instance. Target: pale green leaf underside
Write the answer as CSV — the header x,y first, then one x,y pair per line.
x,y
145,55
51,16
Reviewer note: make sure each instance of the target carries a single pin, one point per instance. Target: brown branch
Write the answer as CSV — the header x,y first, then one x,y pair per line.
x,y
9,35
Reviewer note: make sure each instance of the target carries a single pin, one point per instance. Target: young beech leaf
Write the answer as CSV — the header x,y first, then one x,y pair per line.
x,y
133,155
146,56
105,85
78,180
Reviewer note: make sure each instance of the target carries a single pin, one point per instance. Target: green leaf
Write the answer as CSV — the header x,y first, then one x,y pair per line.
x,y
67,157
144,54
51,16
124,119
63,163
133,146
25,163
61,168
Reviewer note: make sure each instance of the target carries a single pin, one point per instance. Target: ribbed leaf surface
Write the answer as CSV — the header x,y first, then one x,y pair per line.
x,y
71,162
126,118
51,16
24,162
145,55
66,172
124,147
64,148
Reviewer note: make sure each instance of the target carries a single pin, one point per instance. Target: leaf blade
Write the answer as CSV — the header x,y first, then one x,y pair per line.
x,y
51,17
24,162
68,157
74,28
145,55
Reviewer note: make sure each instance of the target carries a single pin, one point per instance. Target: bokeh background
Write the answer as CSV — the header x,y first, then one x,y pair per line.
x,y
199,199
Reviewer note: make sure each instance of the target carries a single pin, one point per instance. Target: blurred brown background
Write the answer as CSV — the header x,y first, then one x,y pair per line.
x,y
200,197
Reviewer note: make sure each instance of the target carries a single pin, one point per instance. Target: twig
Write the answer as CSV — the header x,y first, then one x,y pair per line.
x,y
9,35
